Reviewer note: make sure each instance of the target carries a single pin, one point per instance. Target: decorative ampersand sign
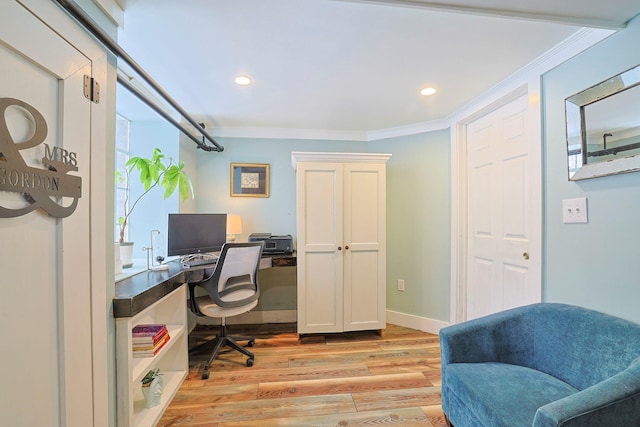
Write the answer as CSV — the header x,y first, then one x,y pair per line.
x,y
40,188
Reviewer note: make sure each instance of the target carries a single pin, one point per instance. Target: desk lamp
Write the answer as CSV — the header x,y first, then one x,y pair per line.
x,y
234,226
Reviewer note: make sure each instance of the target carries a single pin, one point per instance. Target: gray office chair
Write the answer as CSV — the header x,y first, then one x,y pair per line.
x,y
232,290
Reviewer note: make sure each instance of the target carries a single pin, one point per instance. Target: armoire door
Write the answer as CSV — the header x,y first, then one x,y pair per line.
x,y
364,240
320,247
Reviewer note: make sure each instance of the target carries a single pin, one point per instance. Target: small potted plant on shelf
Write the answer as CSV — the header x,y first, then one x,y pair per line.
x,y
152,388
158,170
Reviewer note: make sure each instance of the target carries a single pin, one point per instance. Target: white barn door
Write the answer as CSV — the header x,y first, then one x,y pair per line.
x,y
502,272
45,308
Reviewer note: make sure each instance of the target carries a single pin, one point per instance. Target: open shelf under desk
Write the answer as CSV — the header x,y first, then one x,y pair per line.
x,y
172,381
141,365
169,308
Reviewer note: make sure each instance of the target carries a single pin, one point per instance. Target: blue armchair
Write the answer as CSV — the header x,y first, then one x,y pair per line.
x,y
542,365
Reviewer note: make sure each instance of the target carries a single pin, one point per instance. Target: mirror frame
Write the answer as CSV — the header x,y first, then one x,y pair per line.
x,y
575,113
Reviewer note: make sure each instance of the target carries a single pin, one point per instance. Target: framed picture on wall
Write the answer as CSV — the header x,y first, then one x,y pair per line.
x,y
249,180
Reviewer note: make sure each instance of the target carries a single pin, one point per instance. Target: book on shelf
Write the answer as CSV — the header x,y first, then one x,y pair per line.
x,y
148,329
148,333
153,350
147,341
151,345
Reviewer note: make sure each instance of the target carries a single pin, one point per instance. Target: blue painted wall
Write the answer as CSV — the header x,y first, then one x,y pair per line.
x,y
596,264
418,223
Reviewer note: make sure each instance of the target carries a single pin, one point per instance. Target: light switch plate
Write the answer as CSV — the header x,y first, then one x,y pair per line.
x,y
574,211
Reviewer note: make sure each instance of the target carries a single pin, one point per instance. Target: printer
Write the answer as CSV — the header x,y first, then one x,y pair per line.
x,y
274,244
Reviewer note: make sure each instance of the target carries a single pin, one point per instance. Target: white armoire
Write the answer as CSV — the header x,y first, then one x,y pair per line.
x,y
341,241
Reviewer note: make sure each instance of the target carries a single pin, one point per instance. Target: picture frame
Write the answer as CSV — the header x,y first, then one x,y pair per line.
x,y
249,179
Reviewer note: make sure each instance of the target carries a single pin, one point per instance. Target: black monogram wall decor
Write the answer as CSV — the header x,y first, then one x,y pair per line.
x,y
43,187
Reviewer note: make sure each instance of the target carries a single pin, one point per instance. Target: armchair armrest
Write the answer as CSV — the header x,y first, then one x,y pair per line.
x,y
613,402
502,337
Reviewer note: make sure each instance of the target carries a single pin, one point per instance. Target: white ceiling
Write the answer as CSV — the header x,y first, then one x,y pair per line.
x,y
339,65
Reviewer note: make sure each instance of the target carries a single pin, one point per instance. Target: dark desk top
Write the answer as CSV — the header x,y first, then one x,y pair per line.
x,y
139,291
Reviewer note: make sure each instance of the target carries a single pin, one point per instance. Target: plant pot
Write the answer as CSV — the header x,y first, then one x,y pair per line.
x,y
152,392
126,252
116,258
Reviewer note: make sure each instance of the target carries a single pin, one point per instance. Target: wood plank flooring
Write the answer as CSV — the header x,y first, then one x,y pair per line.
x,y
390,378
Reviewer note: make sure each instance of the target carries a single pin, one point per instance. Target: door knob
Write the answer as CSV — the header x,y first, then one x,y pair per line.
x,y
525,255
339,248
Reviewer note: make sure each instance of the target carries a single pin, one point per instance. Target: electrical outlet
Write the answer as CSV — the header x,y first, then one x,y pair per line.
x,y
401,285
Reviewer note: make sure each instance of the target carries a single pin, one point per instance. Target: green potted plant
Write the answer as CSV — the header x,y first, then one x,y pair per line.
x,y
146,380
159,170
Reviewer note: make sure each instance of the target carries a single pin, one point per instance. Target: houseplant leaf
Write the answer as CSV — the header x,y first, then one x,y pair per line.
x,y
153,171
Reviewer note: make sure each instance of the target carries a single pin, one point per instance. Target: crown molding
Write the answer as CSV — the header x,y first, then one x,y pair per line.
x,y
500,12
578,42
289,133
306,156
412,129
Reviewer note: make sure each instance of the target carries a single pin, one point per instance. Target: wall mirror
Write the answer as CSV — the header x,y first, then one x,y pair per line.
x,y
603,127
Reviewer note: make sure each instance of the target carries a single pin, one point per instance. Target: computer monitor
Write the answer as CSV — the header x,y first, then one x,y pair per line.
x,y
195,233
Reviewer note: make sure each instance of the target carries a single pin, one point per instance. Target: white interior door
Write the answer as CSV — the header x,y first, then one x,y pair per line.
x,y
502,270
45,307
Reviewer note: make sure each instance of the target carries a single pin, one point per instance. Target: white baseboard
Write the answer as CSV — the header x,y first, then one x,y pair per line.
x,y
289,316
423,324
255,318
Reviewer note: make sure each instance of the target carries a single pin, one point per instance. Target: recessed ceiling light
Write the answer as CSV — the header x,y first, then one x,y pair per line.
x,y
243,80
428,91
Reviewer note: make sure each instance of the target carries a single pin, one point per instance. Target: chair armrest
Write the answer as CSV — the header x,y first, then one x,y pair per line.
x,y
501,337
613,402
191,301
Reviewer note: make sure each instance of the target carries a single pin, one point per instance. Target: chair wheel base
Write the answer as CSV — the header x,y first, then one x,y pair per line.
x,y
250,362
205,375
251,343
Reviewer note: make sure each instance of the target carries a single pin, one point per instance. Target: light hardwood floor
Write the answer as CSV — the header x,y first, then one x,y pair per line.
x,y
350,379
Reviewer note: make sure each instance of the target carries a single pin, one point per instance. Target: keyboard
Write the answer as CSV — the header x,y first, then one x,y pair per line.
x,y
190,261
